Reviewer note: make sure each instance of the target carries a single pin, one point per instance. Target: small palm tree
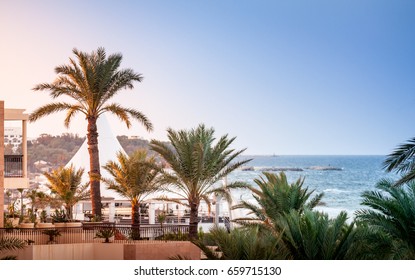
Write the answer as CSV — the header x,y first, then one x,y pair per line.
x,y
242,244
91,81
196,163
314,236
38,199
105,233
392,212
66,184
134,178
275,196
10,244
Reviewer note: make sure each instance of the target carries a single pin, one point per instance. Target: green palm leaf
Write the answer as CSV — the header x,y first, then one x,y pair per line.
x,y
392,212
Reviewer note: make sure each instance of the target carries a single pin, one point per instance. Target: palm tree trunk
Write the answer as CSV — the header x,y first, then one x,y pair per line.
x,y
69,212
94,173
135,207
194,220
135,220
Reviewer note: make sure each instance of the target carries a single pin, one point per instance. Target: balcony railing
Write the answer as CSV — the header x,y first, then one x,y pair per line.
x,y
13,166
88,234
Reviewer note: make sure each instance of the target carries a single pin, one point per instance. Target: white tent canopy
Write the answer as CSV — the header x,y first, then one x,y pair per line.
x,y
108,147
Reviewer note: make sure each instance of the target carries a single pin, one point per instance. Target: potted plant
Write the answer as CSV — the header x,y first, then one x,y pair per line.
x,y
52,233
105,233
43,217
94,221
27,223
12,219
59,218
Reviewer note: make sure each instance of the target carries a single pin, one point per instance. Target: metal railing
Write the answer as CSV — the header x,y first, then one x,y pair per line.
x,y
95,233
13,166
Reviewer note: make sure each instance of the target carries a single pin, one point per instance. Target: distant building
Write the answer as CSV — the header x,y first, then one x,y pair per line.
x,y
13,136
13,168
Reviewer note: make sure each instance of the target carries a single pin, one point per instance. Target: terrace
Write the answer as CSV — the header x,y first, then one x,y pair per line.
x,y
126,243
87,233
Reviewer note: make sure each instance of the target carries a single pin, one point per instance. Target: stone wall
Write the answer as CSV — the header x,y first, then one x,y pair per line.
x,y
151,250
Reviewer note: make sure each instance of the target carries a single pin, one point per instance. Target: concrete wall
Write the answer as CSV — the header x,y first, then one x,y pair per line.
x,y
1,163
161,250
151,250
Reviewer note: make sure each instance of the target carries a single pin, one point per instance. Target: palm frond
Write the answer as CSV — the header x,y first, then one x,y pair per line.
x,y
51,109
402,159
124,114
392,212
11,243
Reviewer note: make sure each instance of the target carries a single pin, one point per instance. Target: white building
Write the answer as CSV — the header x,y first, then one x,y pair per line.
x,y
13,136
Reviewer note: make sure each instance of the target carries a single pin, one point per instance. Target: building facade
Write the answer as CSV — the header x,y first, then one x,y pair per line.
x,y
13,168
1,163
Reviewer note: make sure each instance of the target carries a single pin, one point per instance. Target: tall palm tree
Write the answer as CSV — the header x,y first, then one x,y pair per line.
x,y
66,184
197,163
91,81
134,178
275,196
402,161
392,211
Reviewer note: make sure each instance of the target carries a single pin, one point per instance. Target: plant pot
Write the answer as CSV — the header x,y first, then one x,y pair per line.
x,y
92,225
14,221
27,225
60,225
45,225
73,224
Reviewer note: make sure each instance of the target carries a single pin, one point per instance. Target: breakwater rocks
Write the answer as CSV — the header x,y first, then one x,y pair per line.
x,y
284,169
281,169
325,168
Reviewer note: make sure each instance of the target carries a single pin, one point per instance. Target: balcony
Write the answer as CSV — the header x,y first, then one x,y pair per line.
x,y
13,166
14,172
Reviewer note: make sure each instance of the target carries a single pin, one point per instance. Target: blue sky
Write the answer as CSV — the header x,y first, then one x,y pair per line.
x,y
284,77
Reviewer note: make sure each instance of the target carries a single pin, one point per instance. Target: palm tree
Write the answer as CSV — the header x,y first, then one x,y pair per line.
x,y
91,81
9,244
134,178
197,163
275,196
66,184
38,199
314,236
402,161
392,212
242,244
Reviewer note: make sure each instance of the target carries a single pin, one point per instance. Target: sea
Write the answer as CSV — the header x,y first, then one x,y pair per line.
x,y
342,179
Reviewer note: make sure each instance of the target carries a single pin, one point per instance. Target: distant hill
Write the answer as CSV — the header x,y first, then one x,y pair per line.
x,y
55,150
58,150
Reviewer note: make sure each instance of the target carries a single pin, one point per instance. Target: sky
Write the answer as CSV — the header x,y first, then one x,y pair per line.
x,y
283,77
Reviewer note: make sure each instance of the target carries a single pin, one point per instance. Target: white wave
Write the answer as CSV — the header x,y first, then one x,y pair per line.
x,y
334,191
